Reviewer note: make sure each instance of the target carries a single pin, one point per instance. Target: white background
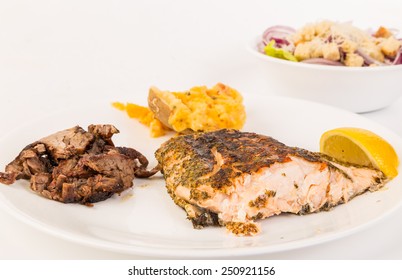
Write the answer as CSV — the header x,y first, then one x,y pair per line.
x,y
54,52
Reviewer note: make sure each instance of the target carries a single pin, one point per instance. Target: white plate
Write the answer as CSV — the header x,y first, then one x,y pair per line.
x,y
145,221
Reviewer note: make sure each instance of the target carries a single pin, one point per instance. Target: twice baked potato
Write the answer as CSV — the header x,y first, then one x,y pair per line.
x,y
198,109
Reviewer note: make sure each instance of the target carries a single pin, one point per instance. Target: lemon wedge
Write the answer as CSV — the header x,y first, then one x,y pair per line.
x,y
361,147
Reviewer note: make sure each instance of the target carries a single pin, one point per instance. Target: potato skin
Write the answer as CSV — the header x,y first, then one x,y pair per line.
x,y
159,107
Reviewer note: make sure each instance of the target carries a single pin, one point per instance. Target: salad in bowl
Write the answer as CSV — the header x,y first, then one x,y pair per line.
x,y
333,43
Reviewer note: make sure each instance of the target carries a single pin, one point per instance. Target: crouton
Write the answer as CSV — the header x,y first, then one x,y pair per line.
x,y
390,46
331,51
353,60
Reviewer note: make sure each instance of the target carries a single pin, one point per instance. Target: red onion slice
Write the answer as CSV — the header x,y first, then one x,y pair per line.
x,y
280,41
322,61
277,33
279,29
398,58
368,59
260,47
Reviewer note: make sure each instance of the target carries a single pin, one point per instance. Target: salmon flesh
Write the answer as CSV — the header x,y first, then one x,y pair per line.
x,y
231,178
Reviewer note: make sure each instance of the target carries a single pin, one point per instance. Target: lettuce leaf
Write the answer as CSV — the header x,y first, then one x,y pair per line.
x,y
270,50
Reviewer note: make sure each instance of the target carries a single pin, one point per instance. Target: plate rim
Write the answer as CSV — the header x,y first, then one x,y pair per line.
x,y
193,252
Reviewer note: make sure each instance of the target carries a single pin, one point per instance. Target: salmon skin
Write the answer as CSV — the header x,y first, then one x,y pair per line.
x,y
231,178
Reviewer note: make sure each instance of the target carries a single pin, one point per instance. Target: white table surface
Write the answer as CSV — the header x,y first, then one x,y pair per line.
x,y
54,52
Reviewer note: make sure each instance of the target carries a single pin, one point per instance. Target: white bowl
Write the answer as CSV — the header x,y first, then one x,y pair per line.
x,y
357,89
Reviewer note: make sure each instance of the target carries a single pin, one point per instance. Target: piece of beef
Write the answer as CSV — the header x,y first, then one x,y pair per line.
x,y
78,166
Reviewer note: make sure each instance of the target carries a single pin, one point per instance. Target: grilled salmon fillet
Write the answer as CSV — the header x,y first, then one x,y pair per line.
x,y
231,178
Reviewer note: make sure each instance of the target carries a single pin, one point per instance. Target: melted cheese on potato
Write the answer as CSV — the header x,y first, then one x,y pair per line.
x,y
203,109
198,109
